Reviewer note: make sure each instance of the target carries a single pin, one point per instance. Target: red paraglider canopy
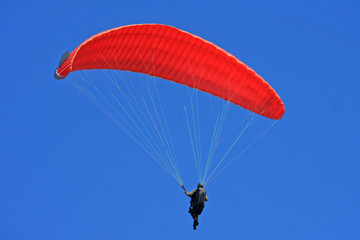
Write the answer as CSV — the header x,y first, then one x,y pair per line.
x,y
169,53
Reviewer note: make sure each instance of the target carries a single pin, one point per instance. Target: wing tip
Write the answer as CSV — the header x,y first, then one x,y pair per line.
x,y
57,75
64,57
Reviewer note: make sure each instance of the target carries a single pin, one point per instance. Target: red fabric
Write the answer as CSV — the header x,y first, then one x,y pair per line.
x,y
169,53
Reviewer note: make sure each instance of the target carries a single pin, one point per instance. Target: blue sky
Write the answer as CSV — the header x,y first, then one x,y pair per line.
x,y
68,172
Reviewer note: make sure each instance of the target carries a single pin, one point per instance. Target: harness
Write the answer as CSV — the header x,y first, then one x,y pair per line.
x,y
198,201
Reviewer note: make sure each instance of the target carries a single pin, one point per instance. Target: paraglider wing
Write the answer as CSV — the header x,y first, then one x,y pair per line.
x,y
169,53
